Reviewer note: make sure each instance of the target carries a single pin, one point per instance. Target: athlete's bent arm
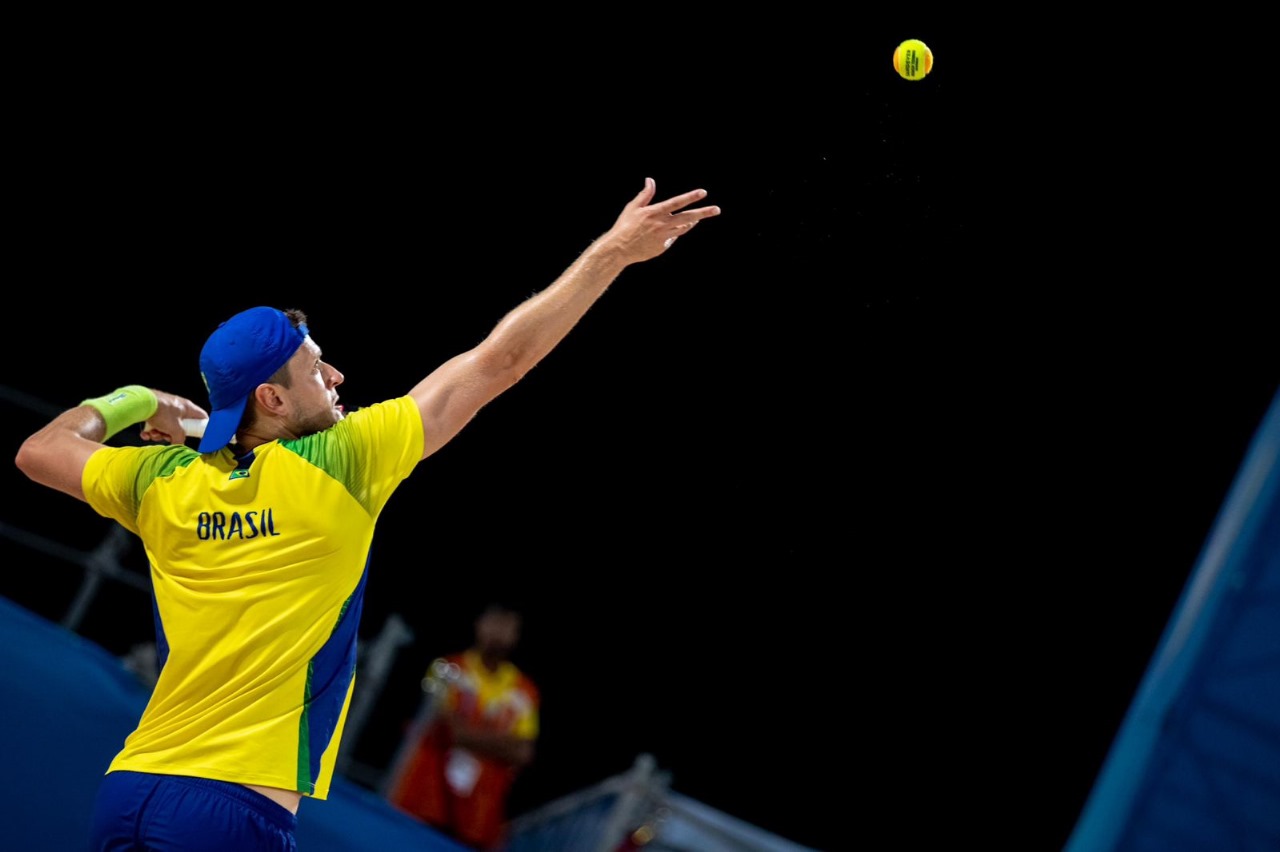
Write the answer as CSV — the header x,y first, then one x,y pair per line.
x,y
55,455
454,392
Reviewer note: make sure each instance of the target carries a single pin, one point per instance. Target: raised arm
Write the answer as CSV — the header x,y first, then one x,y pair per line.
x,y
55,456
455,391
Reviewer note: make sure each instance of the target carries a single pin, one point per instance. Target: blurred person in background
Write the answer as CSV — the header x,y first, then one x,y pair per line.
x,y
475,731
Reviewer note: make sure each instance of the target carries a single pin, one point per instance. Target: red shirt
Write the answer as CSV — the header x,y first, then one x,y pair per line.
x,y
459,791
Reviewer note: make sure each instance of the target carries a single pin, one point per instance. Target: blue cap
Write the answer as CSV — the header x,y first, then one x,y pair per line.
x,y
241,354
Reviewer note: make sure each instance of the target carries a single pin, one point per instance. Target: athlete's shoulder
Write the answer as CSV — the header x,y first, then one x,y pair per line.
x,y
159,459
395,420
398,406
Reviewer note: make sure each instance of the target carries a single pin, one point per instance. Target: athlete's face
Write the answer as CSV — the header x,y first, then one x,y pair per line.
x,y
313,392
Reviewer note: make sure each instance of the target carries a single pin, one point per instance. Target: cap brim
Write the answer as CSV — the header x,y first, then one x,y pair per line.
x,y
222,426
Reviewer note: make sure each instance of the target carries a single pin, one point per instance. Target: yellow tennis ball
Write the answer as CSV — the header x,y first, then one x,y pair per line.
x,y
912,59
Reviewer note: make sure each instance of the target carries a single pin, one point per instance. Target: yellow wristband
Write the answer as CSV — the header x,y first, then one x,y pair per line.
x,y
124,407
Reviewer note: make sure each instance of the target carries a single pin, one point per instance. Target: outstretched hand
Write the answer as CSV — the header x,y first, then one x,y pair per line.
x,y
644,230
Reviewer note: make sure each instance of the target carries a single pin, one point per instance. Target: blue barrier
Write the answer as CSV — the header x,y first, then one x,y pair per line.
x,y
1196,762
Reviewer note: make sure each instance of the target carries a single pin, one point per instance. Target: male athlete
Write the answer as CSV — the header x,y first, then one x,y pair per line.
x,y
258,542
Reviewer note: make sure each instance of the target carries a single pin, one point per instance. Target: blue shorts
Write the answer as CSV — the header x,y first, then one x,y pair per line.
x,y
143,811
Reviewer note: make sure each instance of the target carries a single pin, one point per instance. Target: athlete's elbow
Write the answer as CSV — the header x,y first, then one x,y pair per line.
x,y
26,458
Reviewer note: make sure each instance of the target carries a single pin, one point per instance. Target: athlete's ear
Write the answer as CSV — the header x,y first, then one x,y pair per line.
x,y
269,400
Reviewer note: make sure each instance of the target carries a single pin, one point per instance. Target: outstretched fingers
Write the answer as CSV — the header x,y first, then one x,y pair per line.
x,y
667,219
645,195
677,202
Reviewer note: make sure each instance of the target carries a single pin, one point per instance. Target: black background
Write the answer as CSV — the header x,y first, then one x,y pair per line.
x,y
862,509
